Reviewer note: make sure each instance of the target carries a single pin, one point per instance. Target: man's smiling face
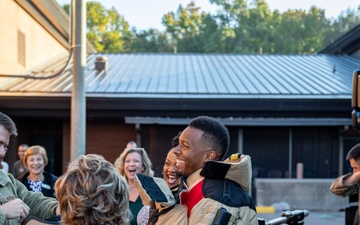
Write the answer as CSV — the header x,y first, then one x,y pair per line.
x,y
191,152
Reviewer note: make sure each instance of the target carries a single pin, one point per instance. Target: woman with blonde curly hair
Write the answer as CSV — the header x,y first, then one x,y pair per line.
x,y
133,161
93,192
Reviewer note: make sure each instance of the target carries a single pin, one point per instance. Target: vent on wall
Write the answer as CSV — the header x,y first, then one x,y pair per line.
x,y
21,48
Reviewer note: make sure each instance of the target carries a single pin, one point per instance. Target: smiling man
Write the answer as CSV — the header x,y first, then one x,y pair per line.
x,y
210,187
210,184
16,202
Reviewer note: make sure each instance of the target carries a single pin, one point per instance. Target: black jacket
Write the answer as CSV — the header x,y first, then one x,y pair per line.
x,y
47,186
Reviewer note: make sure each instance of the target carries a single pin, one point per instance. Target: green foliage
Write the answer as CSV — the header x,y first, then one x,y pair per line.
x,y
239,26
184,28
151,41
107,30
346,21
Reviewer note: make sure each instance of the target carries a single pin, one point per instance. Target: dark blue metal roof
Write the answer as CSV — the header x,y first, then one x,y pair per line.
x,y
200,76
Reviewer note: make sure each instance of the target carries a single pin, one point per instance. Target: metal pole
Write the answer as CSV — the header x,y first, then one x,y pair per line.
x,y
341,154
290,152
241,140
78,100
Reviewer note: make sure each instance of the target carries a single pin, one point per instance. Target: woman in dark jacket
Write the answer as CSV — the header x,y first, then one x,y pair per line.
x,y
37,180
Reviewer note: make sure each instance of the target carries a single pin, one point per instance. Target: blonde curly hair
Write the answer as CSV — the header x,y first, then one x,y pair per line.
x,y
93,192
145,161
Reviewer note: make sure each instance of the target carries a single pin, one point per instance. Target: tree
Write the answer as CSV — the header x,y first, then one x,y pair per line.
x,y
258,30
211,36
255,29
184,27
151,40
107,30
299,32
345,22
239,26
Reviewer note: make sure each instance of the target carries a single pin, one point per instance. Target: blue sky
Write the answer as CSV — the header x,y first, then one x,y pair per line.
x,y
145,14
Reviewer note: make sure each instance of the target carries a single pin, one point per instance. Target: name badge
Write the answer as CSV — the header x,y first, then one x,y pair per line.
x,y
46,186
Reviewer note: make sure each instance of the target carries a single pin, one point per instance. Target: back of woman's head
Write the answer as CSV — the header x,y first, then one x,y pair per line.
x,y
93,192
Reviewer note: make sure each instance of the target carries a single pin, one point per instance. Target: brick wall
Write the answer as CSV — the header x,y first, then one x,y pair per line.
x,y
107,138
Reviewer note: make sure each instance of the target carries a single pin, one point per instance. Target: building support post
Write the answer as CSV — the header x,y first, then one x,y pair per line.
x,y
78,100
290,152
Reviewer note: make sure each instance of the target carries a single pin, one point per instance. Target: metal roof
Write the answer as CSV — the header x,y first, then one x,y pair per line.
x,y
148,75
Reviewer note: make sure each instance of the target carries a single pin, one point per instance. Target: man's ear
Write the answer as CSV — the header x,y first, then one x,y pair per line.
x,y
210,155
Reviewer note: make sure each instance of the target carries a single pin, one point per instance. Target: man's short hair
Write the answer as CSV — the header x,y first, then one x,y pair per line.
x,y
214,131
8,123
354,153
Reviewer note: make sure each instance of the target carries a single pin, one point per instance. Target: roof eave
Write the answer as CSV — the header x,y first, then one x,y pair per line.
x,y
346,44
50,15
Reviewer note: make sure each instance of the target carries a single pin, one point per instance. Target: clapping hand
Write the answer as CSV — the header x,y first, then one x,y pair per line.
x,y
15,208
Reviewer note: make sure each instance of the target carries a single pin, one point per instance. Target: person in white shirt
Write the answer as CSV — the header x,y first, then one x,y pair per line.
x,y
5,166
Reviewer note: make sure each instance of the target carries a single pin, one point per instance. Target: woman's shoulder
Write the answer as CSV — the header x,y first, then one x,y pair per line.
x,y
23,178
49,177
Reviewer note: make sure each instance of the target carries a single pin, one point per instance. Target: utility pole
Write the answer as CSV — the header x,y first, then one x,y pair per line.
x,y
78,99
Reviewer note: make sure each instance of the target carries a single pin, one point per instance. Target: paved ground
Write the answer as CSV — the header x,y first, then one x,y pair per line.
x,y
314,218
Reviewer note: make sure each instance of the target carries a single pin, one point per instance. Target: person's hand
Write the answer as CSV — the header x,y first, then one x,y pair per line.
x,y
352,179
357,174
15,208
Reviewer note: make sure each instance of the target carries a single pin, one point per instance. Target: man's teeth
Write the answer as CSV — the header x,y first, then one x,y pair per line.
x,y
179,161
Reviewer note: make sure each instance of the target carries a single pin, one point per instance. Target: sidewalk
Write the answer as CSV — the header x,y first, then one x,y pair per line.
x,y
314,218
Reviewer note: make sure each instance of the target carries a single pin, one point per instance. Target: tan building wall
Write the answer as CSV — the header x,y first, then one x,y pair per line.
x,y
21,34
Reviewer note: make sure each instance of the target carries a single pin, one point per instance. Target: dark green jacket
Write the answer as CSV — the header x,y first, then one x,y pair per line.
x,y
40,206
